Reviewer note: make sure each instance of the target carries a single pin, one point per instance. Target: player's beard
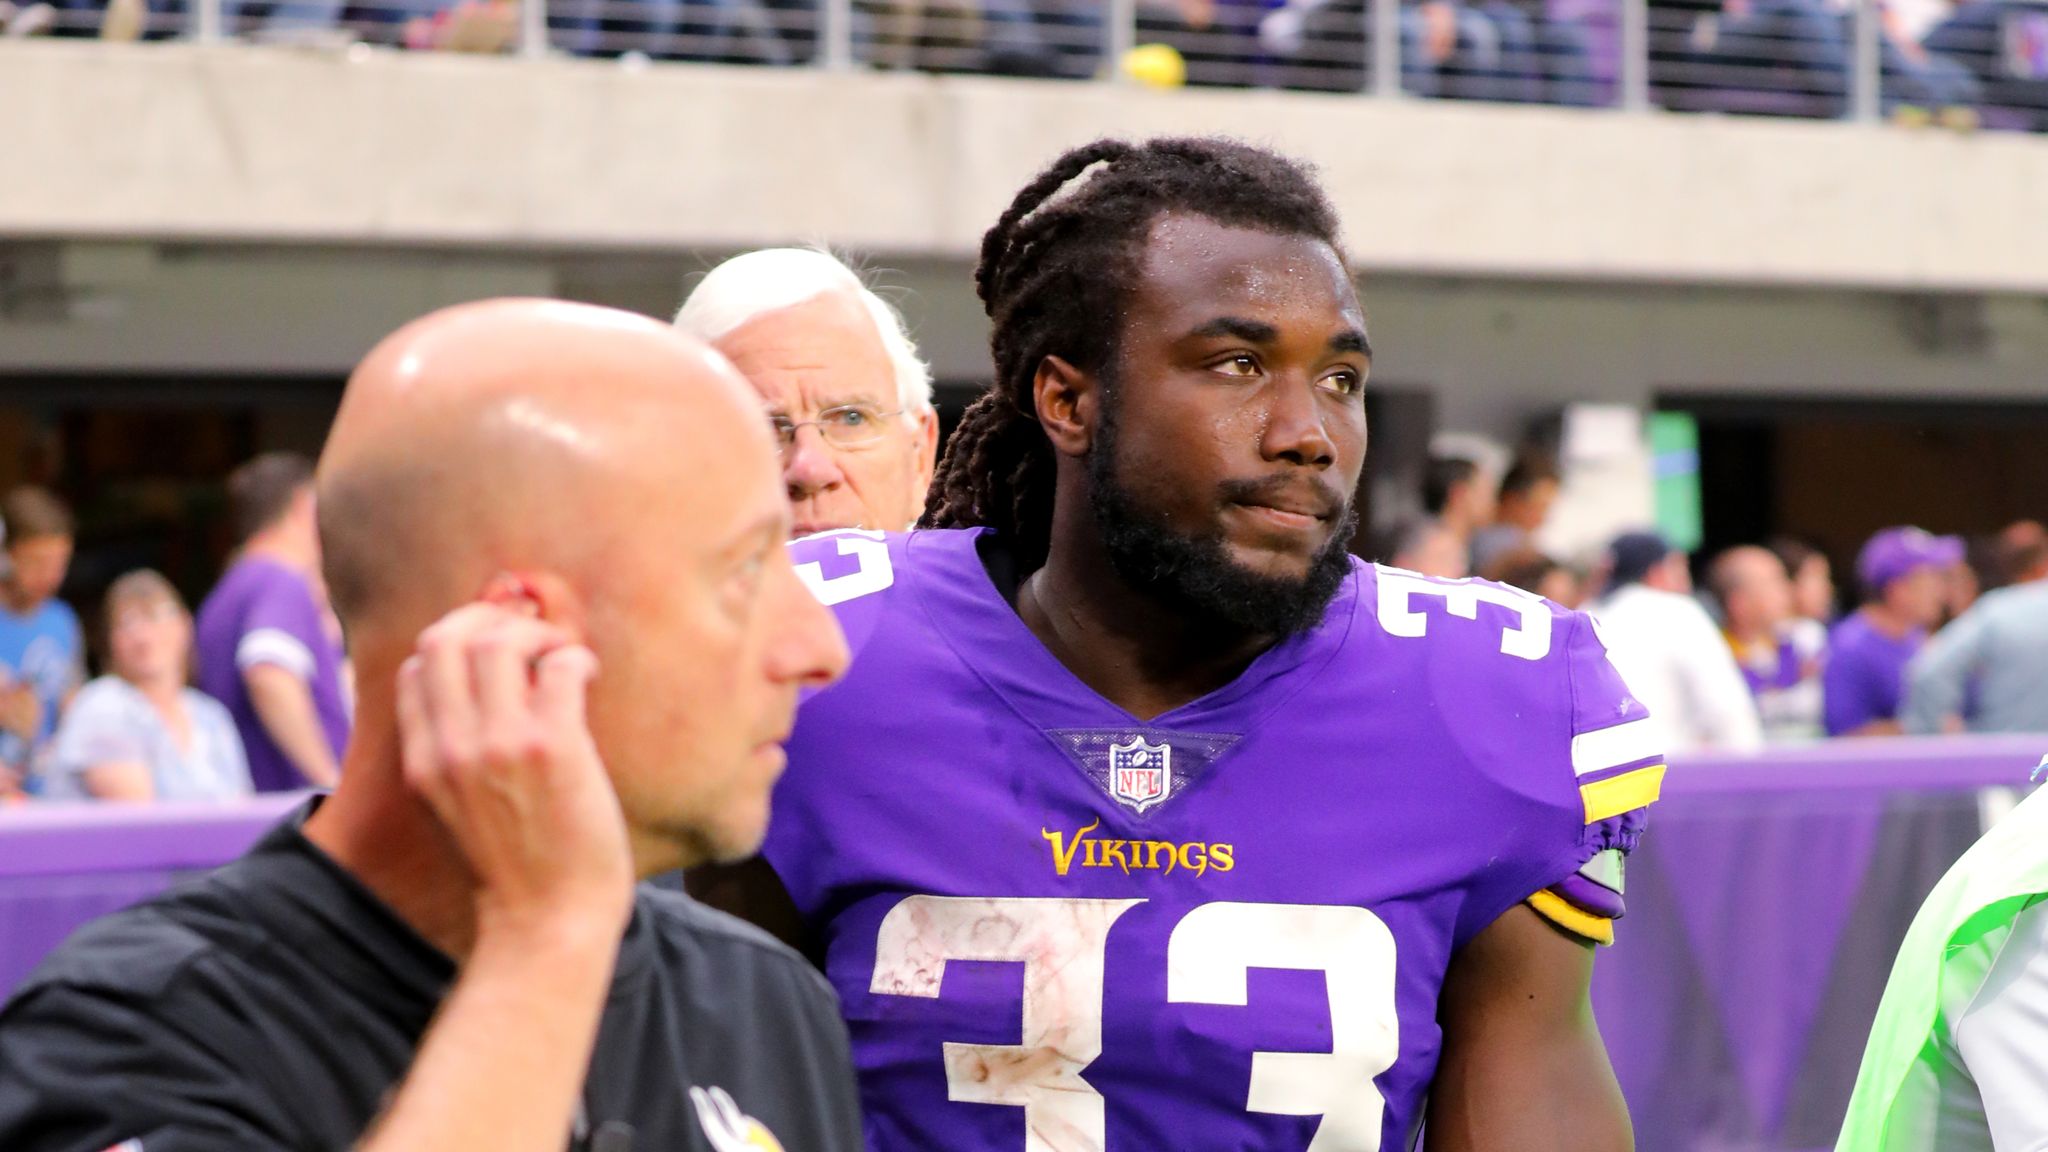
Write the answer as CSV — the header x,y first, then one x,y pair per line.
x,y
1196,573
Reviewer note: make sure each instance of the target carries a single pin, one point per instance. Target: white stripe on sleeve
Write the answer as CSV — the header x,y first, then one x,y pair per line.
x,y
276,646
1614,746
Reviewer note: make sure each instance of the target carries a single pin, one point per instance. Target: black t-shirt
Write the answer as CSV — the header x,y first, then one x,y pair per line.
x,y
277,1004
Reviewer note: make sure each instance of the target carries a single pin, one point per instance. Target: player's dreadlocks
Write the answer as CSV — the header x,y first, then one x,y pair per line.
x,y
1053,278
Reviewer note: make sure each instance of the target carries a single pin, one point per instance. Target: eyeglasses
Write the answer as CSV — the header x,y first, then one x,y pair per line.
x,y
847,426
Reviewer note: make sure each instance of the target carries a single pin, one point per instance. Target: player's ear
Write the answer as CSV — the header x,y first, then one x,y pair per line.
x,y
546,594
1068,402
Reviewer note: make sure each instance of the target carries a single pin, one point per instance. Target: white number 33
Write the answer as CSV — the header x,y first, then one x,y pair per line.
x,y
1062,945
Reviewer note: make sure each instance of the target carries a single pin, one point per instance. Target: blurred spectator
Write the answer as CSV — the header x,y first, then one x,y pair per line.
x,y
1995,656
1217,38
2016,544
1526,494
1668,651
1904,577
842,382
934,35
1813,579
1542,60
1792,58
42,649
268,648
720,31
1459,494
143,733
1052,38
1532,571
1490,50
1962,584
1778,653
2004,47
20,21
1985,556
1426,547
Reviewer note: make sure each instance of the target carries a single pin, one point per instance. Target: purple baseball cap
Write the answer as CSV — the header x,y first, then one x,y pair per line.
x,y
1896,553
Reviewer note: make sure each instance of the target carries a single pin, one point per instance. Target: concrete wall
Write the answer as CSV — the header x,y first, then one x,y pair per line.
x,y
174,142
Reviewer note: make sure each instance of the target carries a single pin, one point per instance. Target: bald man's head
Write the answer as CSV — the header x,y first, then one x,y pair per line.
x,y
621,469
1754,589
481,434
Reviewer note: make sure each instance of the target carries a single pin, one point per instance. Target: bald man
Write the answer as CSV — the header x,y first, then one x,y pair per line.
x,y
1778,652
450,952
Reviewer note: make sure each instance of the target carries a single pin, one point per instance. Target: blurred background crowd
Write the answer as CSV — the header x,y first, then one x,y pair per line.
x,y
1960,63
114,687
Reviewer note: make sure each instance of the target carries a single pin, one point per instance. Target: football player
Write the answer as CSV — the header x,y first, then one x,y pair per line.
x,y
1148,818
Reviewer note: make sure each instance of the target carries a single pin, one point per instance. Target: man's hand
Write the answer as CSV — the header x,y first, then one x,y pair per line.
x,y
21,711
493,736
491,718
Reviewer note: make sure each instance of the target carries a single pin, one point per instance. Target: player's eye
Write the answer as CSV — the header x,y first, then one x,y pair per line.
x,y
1344,382
1238,364
744,583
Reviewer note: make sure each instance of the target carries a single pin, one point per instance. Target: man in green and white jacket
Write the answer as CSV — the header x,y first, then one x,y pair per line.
x,y
1958,1058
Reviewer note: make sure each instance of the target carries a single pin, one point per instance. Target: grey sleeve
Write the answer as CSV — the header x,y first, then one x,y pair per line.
x,y
1939,676
84,1071
828,1066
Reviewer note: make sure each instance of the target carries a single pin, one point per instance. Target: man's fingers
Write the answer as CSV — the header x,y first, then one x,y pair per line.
x,y
416,744
463,622
502,666
447,698
563,678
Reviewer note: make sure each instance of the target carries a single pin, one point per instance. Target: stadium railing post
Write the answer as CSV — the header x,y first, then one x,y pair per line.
x,y
835,36
1866,78
1120,35
206,21
1635,55
533,28
1386,49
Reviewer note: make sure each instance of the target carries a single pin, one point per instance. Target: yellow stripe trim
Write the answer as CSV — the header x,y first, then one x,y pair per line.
x,y
1568,916
1624,793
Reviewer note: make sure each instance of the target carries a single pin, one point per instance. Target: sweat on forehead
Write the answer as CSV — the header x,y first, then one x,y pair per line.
x,y
1195,261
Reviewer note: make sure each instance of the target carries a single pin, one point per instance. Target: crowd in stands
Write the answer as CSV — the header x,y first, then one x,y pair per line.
x,y
1950,635
270,709
1958,62
253,693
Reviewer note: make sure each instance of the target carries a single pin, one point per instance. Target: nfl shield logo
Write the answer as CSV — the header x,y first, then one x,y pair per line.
x,y
1140,775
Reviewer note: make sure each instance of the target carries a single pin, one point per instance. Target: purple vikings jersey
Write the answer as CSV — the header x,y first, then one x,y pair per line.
x,y
1056,928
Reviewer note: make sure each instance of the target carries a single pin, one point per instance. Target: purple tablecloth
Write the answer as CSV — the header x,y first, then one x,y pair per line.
x,y
1764,910
64,864
1765,907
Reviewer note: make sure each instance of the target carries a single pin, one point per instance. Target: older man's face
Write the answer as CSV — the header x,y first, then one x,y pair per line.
x,y
869,464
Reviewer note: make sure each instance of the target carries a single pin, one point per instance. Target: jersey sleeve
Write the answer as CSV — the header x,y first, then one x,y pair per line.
x,y
855,573
86,1071
281,627
1617,762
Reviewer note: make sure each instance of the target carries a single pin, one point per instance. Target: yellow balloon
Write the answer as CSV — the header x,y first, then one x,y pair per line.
x,y
1156,66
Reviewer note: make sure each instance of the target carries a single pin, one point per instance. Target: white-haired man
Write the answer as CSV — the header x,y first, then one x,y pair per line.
x,y
845,388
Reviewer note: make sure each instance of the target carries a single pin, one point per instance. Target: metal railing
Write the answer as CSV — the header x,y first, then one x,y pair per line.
x,y
1960,63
